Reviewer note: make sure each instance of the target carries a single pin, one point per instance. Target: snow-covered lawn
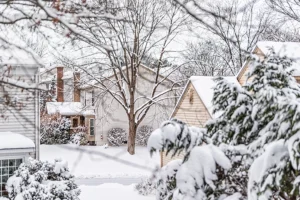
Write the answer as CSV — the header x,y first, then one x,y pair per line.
x,y
111,191
96,161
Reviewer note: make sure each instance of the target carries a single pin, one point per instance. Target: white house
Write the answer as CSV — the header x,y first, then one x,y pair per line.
x,y
19,110
97,110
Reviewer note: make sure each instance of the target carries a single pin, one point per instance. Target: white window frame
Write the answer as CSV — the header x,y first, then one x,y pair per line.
x,y
23,158
91,126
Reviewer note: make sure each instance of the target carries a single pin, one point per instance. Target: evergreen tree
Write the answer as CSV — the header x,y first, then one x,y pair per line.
x,y
255,139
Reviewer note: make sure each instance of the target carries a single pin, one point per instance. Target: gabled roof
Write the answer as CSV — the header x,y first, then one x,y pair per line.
x,y
289,49
67,108
204,87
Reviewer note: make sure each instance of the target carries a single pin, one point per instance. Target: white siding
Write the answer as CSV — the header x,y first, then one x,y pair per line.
x,y
110,114
23,117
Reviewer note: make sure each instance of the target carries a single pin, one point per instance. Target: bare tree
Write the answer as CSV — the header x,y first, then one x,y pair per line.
x,y
288,8
233,23
205,58
275,32
150,26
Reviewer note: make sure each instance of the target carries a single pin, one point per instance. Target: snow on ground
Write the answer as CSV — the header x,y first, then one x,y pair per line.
x,y
111,191
98,162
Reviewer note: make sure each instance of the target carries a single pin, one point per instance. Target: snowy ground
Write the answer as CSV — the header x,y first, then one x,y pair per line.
x,y
97,162
111,191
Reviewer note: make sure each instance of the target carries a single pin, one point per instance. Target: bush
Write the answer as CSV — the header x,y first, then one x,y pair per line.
x,y
145,187
78,138
143,135
117,137
55,129
42,180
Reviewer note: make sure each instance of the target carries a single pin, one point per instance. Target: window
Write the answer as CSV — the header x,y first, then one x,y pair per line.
x,y
92,126
7,168
82,121
75,122
93,98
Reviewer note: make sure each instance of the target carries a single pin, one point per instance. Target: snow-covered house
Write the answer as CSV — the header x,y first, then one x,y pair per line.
x,y
67,101
110,114
19,109
264,48
194,107
195,104
90,106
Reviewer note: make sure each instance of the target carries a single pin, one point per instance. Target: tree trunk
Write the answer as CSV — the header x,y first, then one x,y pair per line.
x,y
131,137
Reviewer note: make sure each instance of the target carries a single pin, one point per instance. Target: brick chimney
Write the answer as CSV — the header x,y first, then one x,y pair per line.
x,y
60,84
76,86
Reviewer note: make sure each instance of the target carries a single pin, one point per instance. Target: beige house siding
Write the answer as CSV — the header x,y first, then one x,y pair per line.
x,y
165,159
242,78
297,79
191,109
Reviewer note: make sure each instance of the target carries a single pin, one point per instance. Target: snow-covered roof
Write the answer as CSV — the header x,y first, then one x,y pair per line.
x,y
10,140
289,49
204,86
67,108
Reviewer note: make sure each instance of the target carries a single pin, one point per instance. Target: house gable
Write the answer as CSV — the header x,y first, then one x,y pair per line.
x,y
242,75
191,108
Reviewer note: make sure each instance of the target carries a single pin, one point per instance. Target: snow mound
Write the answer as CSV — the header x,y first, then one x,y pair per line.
x,y
10,140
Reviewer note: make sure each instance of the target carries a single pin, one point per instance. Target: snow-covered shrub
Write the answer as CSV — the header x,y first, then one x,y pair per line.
x,y
42,180
78,138
143,135
254,149
116,136
55,129
145,187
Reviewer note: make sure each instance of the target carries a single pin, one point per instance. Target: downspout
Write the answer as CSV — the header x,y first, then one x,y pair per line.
x,y
37,120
